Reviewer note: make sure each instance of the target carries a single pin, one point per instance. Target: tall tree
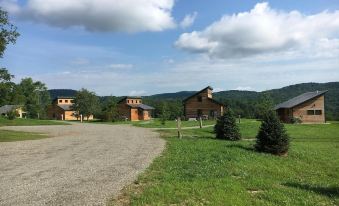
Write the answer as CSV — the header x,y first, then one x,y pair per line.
x,y
36,97
6,86
86,103
109,109
8,32
264,105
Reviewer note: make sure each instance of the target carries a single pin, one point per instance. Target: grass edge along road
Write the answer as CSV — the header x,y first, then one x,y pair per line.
x,y
200,170
11,136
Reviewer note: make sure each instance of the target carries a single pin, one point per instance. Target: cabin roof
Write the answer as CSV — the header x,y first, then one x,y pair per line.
x,y
7,108
208,87
66,107
299,99
141,106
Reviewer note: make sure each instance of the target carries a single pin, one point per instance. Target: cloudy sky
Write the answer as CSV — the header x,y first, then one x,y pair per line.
x,y
143,47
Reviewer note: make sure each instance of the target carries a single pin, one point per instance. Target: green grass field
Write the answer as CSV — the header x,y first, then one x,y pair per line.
x,y
10,136
200,170
29,122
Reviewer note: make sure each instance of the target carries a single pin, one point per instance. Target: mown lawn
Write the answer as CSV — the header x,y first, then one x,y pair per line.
x,y
156,123
11,136
200,170
29,122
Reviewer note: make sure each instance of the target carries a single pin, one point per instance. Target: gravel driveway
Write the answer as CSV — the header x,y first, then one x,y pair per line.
x,y
82,164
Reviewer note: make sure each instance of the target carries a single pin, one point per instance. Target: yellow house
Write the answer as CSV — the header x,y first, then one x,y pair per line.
x,y
61,109
4,110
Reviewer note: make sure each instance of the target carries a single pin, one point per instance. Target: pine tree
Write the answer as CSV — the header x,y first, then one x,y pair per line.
x,y
226,127
272,137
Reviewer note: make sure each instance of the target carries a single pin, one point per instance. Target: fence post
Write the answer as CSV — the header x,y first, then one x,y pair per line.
x,y
239,118
81,118
200,122
179,127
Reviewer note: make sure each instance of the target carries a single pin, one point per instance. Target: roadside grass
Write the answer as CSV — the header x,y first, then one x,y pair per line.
x,y
11,136
29,122
200,170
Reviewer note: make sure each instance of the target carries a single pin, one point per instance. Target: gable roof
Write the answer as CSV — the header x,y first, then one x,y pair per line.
x,y
66,107
187,98
299,99
141,106
7,108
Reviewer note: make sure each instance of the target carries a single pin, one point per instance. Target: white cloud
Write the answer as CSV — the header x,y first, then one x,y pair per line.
x,y
80,61
120,66
188,20
99,15
137,93
246,88
264,30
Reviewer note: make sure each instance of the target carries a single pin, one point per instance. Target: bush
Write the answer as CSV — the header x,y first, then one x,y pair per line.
x,y
272,137
295,120
226,127
12,115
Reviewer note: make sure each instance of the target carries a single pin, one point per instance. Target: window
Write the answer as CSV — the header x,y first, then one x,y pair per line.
x,y
66,101
60,100
127,101
310,112
72,101
199,112
318,112
132,101
314,112
199,99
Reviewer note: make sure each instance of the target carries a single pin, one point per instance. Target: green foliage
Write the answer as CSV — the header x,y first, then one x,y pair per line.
x,y
34,97
109,110
86,103
28,122
6,86
264,105
164,113
12,114
272,137
226,127
11,136
174,108
8,32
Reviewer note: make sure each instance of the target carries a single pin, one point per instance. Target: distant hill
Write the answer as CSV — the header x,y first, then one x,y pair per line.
x,y
62,92
244,102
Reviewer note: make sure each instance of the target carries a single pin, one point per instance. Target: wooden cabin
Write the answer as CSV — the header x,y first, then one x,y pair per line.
x,y
18,109
132,108
61,109
308,108
202,104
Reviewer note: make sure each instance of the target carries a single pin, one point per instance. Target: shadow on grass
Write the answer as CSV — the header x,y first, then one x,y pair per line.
x,y
327,191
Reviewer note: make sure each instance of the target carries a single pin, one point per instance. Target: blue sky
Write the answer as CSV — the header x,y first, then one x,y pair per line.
x,y
143,47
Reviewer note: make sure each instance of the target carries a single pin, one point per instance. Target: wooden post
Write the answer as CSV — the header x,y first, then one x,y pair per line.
x,y
179,127
239,118
62,117
200,122
81,118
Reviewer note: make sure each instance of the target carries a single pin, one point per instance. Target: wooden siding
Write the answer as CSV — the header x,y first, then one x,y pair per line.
x,y
300,111
202,103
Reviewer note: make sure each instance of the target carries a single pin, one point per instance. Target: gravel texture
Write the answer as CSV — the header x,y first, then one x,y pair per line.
x,y
81,164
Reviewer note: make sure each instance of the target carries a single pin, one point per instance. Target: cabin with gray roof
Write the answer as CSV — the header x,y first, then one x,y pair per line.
x,y
18,109
308,108
132,108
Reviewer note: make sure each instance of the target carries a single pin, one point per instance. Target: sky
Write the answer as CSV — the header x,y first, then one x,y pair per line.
x,y
145,47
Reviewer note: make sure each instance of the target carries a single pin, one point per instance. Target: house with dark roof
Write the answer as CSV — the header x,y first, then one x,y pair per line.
x,y
61,109
308,108
202,104
132,108
19,110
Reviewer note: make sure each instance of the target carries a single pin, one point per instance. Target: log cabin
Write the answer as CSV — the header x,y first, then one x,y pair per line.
x,y
61,109
202,104
308,108
132,109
